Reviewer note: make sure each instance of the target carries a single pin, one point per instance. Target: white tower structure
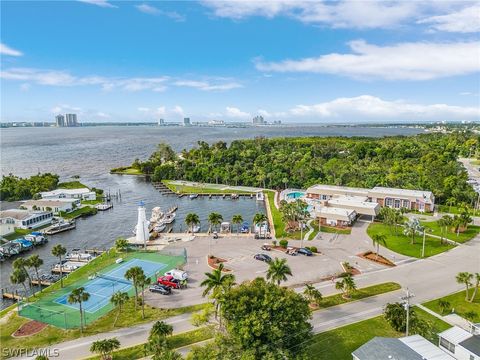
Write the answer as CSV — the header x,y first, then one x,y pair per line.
x,y
142,234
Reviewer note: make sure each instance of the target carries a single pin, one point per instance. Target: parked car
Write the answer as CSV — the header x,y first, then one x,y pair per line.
x,y
305,252
266,247
161,289
177,274
169,281
291,251
263,257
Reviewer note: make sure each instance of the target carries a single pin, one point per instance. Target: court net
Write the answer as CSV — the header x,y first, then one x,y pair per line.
x,y
114,279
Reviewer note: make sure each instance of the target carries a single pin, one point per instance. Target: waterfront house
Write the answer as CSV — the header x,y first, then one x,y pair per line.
x,y
55,205
333,216
407,348
81,193
423,201
25,219
460,343
7,226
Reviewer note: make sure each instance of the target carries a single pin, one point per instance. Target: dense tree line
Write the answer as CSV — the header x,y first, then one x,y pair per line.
x,y
13,188
427,161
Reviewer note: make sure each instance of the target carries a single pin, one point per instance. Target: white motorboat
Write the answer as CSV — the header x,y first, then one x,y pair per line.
x,y
169,218
193,196
159,228
157,215
196,229
260,196
103,206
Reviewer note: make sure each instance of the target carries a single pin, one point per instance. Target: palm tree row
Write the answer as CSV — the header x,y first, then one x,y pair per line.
x,y
20,273
466,278
215,219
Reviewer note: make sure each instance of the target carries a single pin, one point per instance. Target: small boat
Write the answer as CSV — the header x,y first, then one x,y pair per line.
x,y
169,218
245,228
37,238
260,196
196,229
225,227
193,196
76,255
61,227
157,215
234,196
24,243
160,227
103,207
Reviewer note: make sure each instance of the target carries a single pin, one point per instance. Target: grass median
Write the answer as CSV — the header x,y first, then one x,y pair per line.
x,y
458,305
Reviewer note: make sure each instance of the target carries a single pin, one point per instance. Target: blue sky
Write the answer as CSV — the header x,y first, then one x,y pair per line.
x,y
302,61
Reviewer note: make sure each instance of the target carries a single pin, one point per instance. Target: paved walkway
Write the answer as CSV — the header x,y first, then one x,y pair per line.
x,y
310,230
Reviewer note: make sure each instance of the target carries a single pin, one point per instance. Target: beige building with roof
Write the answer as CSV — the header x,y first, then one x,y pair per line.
x,y
55,205
333,216
25,219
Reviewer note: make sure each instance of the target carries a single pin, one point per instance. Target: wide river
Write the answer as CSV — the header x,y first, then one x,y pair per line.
x,y
90,152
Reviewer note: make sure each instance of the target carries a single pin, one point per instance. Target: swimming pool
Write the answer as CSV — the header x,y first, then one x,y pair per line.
x,y
295,195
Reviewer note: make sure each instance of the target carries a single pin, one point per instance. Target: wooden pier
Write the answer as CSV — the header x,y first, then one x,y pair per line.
x,y
11,295
42,282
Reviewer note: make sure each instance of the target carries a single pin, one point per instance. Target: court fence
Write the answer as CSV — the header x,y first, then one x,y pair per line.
x,y
48,310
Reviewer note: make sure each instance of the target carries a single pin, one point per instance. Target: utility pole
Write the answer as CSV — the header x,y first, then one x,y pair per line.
x,y
423,245
406,305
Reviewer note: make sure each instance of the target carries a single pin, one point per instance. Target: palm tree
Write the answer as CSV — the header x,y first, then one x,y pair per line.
x,y
465,278
259,219
465,219
121,244
143,282
22,264
19,276
58,251
35,262
157,341
411,228
346,285
217,284
444,305
214,219
475,289
312,294
191,220
161,329
135,274
78,296
118,300
237,220
377,240
105,347
451,202
278,271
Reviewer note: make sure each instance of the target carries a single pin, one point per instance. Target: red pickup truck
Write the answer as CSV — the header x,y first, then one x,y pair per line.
x,y
169,281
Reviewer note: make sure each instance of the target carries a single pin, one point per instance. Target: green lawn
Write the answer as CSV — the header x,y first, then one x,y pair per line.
x,y
332,230
98,200
22,232
71,185
339,343
432,227
450,209
401,243
362,293
276,215
475,162
458,303
86,210
126,171
184,189
174,342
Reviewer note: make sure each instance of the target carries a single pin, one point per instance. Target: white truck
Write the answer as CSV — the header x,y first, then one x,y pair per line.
x,y
177,274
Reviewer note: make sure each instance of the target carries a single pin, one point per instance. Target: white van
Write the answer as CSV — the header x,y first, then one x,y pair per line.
x,y
177,274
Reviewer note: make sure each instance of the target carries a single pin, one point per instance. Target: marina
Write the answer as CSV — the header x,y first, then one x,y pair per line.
x,y
61,227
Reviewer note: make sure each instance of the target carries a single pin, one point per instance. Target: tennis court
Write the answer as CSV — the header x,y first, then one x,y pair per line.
x,y
100,281
102,287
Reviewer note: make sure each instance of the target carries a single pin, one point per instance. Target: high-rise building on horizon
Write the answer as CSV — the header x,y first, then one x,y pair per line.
x,y
71,120
258,120
186,122
60,120
161,122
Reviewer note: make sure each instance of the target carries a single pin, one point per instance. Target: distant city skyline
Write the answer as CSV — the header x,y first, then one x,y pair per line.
x,y
314,61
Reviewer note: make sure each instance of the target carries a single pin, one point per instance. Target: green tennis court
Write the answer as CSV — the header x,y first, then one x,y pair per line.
x,y
54,309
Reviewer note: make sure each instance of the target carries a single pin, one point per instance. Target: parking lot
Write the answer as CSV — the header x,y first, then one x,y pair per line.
x,y
239,251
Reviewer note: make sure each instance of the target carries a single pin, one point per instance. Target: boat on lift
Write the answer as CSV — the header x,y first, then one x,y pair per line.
x,y
196,229
157,215
260,196
160,227
169,218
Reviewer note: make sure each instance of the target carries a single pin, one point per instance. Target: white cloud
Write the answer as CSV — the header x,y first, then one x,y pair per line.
x,y
367,107
62,108
236,113
156,84
463,21
143,109
339,14
103,115
25,87
101,3
404,61
152,10
162,111
6,50
207,86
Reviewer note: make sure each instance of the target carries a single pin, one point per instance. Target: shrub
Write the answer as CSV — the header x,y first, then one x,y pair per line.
x,y
313,249
284,243
274,242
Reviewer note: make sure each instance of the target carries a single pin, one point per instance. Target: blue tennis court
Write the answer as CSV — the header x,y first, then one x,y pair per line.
x,y
102,288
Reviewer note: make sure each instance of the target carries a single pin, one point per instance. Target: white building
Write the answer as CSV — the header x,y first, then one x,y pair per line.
x,y
460,343
332,216
55,205
81,193
25,219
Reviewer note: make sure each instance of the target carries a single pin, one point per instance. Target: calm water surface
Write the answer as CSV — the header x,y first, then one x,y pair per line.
x,y
91,152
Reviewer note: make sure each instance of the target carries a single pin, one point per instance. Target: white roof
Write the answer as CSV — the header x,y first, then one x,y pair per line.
x,y
353,201
49,202
425,348
337,188
402,192
455,335
66,191
335,213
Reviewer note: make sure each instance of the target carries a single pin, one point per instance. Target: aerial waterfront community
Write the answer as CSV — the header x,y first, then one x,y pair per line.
x,y
346,258
240,180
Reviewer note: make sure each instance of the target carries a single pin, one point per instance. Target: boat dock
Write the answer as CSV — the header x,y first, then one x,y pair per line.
x,y
104,206
42,282
163,189
58,228
11,295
